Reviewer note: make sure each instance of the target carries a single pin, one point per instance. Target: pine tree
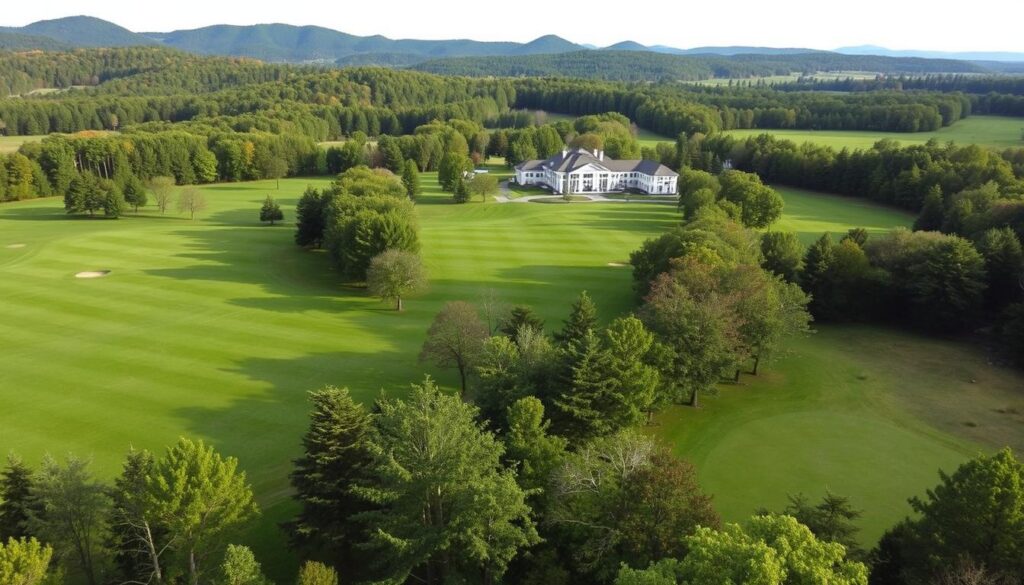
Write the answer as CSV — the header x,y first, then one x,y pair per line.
x,y
817,262
582,319
271,211
585,406
130,536
336,456
461,193
411,179
15,498
134,192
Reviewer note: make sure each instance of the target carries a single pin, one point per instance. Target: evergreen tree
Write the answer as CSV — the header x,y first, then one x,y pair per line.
x,y
15,499
582,320
335,458
271,211
130,535
309,218
589,400
448,510
933,211
461,191
518,317
134,192
529,445
815,277
411,179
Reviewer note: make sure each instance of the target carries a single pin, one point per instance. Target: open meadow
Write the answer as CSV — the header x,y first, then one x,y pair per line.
x,y
216,328
994,131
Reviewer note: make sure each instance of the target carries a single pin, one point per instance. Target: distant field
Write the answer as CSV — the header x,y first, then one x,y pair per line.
x,y
995,131
774,79
9,144
866,412
811,213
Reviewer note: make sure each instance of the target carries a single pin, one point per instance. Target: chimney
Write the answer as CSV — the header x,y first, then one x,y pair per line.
x,y
565,152
600,156
595,153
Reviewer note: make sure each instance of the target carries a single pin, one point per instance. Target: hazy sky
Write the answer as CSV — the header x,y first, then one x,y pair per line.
x,y
820,24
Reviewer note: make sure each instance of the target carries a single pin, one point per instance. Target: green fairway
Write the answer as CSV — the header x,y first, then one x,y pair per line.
x,y
994,131
217,328
866,412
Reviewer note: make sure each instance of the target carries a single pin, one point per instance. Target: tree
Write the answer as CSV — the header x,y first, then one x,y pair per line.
x,y
191,200
271,211
314,573
240,567
133,540
518,317
946,286
589,403
70,513
15,499
529,445
976,512
933,211
84,194
134,193
783,254
452,168
336,453
309,218
394,274
769,549
460,194
1004,265
162,188
630,348
621,499
831,520
582,320
199,498
273,167
24,562
455,339
411,179
1011,332
392,154
448,510
483,184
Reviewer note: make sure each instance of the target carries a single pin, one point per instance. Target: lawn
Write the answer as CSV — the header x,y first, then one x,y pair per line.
x,y
217,328
866,412
994,131
812,213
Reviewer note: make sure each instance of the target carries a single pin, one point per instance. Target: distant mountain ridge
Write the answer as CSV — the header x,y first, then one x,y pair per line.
x,y
961,56
306,44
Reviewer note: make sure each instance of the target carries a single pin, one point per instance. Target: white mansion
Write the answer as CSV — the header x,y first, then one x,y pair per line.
x,y
581,171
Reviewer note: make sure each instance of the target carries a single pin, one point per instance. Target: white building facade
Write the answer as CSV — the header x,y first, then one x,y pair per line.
x,y
582,171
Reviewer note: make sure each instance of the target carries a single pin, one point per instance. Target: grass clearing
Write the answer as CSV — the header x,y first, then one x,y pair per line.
x,y
216,328
866,412
9,144
994,131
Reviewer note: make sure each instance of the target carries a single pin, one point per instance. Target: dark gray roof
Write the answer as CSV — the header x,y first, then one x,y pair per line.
x,y
571,160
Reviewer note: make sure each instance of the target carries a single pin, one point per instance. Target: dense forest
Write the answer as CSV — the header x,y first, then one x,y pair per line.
x,y
647,66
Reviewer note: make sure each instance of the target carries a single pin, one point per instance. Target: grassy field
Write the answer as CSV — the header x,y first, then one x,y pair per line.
x,y
810,214
9,144
217,328
994,131
865,412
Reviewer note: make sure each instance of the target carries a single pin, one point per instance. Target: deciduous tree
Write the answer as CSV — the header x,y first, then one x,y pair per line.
x,y
394,274
191,201
455,339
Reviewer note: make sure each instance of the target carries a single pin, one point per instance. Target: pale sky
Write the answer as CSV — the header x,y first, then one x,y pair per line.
x,y
943,25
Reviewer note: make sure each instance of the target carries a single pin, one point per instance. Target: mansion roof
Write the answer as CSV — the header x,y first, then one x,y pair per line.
x,y
568,161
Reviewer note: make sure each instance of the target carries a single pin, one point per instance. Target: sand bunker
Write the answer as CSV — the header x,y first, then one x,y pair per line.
x,y
92,274
14,246
617,264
